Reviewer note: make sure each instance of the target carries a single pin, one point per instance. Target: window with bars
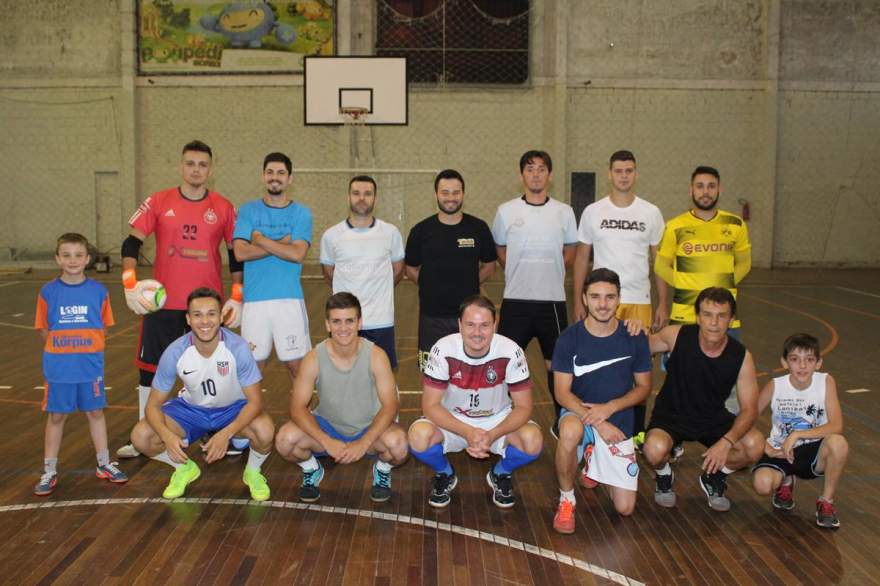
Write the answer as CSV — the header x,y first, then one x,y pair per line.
x,y
451,42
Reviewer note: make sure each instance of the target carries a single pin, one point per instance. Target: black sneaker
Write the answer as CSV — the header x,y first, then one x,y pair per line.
x,y
663,493
714,486
502,489
826,515
676,453
441,487
380,492
309,491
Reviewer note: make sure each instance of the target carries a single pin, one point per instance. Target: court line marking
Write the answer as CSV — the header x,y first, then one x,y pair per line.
x,y
9,283
5,387
19,326
835,338
395,518
834,305
856,391
17,314
858,291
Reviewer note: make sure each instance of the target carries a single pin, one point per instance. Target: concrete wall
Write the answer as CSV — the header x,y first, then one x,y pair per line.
x,y
781,95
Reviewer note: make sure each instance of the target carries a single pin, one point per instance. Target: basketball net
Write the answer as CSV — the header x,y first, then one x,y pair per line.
x,y
355,119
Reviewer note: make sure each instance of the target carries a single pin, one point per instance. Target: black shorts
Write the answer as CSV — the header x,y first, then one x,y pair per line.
x,y
804,466
383,338
523,320
707,432
432,329
158,330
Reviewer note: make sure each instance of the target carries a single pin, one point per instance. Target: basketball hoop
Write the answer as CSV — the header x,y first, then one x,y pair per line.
x,y
353,115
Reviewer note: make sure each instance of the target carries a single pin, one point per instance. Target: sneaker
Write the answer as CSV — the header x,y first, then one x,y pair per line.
x,y
308,490
783,498
112,473
563,521
127,451
46,485
442,486
380,492
663,493
714,486
182,477
586,481
256,482
237,445
676,453
826,515
502,489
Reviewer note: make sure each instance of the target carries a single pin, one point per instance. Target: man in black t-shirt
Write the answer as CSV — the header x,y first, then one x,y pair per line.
x,y
704,363
448,255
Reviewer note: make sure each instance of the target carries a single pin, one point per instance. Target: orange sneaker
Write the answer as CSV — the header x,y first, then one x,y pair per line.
x,y
563,522
586,481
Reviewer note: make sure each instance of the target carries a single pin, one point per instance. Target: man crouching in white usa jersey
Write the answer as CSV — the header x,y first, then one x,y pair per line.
x,y
221,395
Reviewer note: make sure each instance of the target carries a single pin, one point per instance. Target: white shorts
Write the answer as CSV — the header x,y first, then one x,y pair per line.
x,y
283,321
614,464
455,443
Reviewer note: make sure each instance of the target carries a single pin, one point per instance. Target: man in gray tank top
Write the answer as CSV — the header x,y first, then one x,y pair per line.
x,y
704,363
357,408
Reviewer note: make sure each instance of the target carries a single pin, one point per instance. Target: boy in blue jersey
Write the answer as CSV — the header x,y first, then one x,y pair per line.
x,y
272,237
221,395
72,314
602,373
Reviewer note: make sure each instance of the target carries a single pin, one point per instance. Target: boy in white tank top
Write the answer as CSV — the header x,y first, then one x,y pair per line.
x,y
806,438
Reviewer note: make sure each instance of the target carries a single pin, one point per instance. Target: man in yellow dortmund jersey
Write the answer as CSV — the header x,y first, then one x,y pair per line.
x,y
703,247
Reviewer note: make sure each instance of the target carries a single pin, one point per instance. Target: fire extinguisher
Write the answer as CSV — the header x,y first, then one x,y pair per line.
x,y
746,210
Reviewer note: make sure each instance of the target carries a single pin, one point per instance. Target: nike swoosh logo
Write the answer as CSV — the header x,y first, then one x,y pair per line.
x,y
188,371
582,369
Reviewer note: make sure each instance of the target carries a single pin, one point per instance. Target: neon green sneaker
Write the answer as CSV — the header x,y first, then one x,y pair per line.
x,y
181,478
256,482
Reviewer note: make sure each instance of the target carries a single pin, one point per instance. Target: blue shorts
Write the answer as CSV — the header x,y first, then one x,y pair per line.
x,y
588,438
70,397
328,428
383,338
198,421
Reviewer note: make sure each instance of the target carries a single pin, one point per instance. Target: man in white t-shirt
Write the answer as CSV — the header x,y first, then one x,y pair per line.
x,y
364,256
535,236
620,230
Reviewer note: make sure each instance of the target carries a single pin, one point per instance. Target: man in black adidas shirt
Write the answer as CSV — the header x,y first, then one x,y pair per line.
x,y
448,255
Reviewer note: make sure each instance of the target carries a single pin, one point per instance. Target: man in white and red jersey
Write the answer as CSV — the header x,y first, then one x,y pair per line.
x,y
477,397
190,223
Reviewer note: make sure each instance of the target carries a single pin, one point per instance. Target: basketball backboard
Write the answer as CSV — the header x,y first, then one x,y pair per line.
x,y
334,84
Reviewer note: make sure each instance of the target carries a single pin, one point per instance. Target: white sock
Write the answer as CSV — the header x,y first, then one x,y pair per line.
x,y
788,480
567,495
309,465
143,395
726,470
665,470
384,467
165,458
256,459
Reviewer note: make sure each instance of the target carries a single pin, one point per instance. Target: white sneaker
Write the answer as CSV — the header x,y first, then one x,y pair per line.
x,y
127,451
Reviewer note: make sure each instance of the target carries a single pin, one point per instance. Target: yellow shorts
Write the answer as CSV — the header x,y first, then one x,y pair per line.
x,y
639,311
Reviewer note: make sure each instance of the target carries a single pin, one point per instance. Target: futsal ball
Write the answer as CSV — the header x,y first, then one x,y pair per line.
x,y
152,294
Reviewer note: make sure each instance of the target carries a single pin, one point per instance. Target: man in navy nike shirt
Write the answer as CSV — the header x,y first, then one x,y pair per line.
x,y
601,372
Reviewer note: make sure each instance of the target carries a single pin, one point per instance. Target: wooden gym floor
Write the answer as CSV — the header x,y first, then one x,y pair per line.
x,y
90,531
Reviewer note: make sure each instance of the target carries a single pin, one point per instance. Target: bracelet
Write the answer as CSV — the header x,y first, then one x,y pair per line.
x,y
724,437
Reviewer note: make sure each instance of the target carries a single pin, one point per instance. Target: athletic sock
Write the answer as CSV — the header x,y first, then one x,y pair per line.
x,y
829,501
103,457
725,470
165,458
143,395
787,480
256,459
665,470
434,458
50,465
384,467
567,495
513,458
309,465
